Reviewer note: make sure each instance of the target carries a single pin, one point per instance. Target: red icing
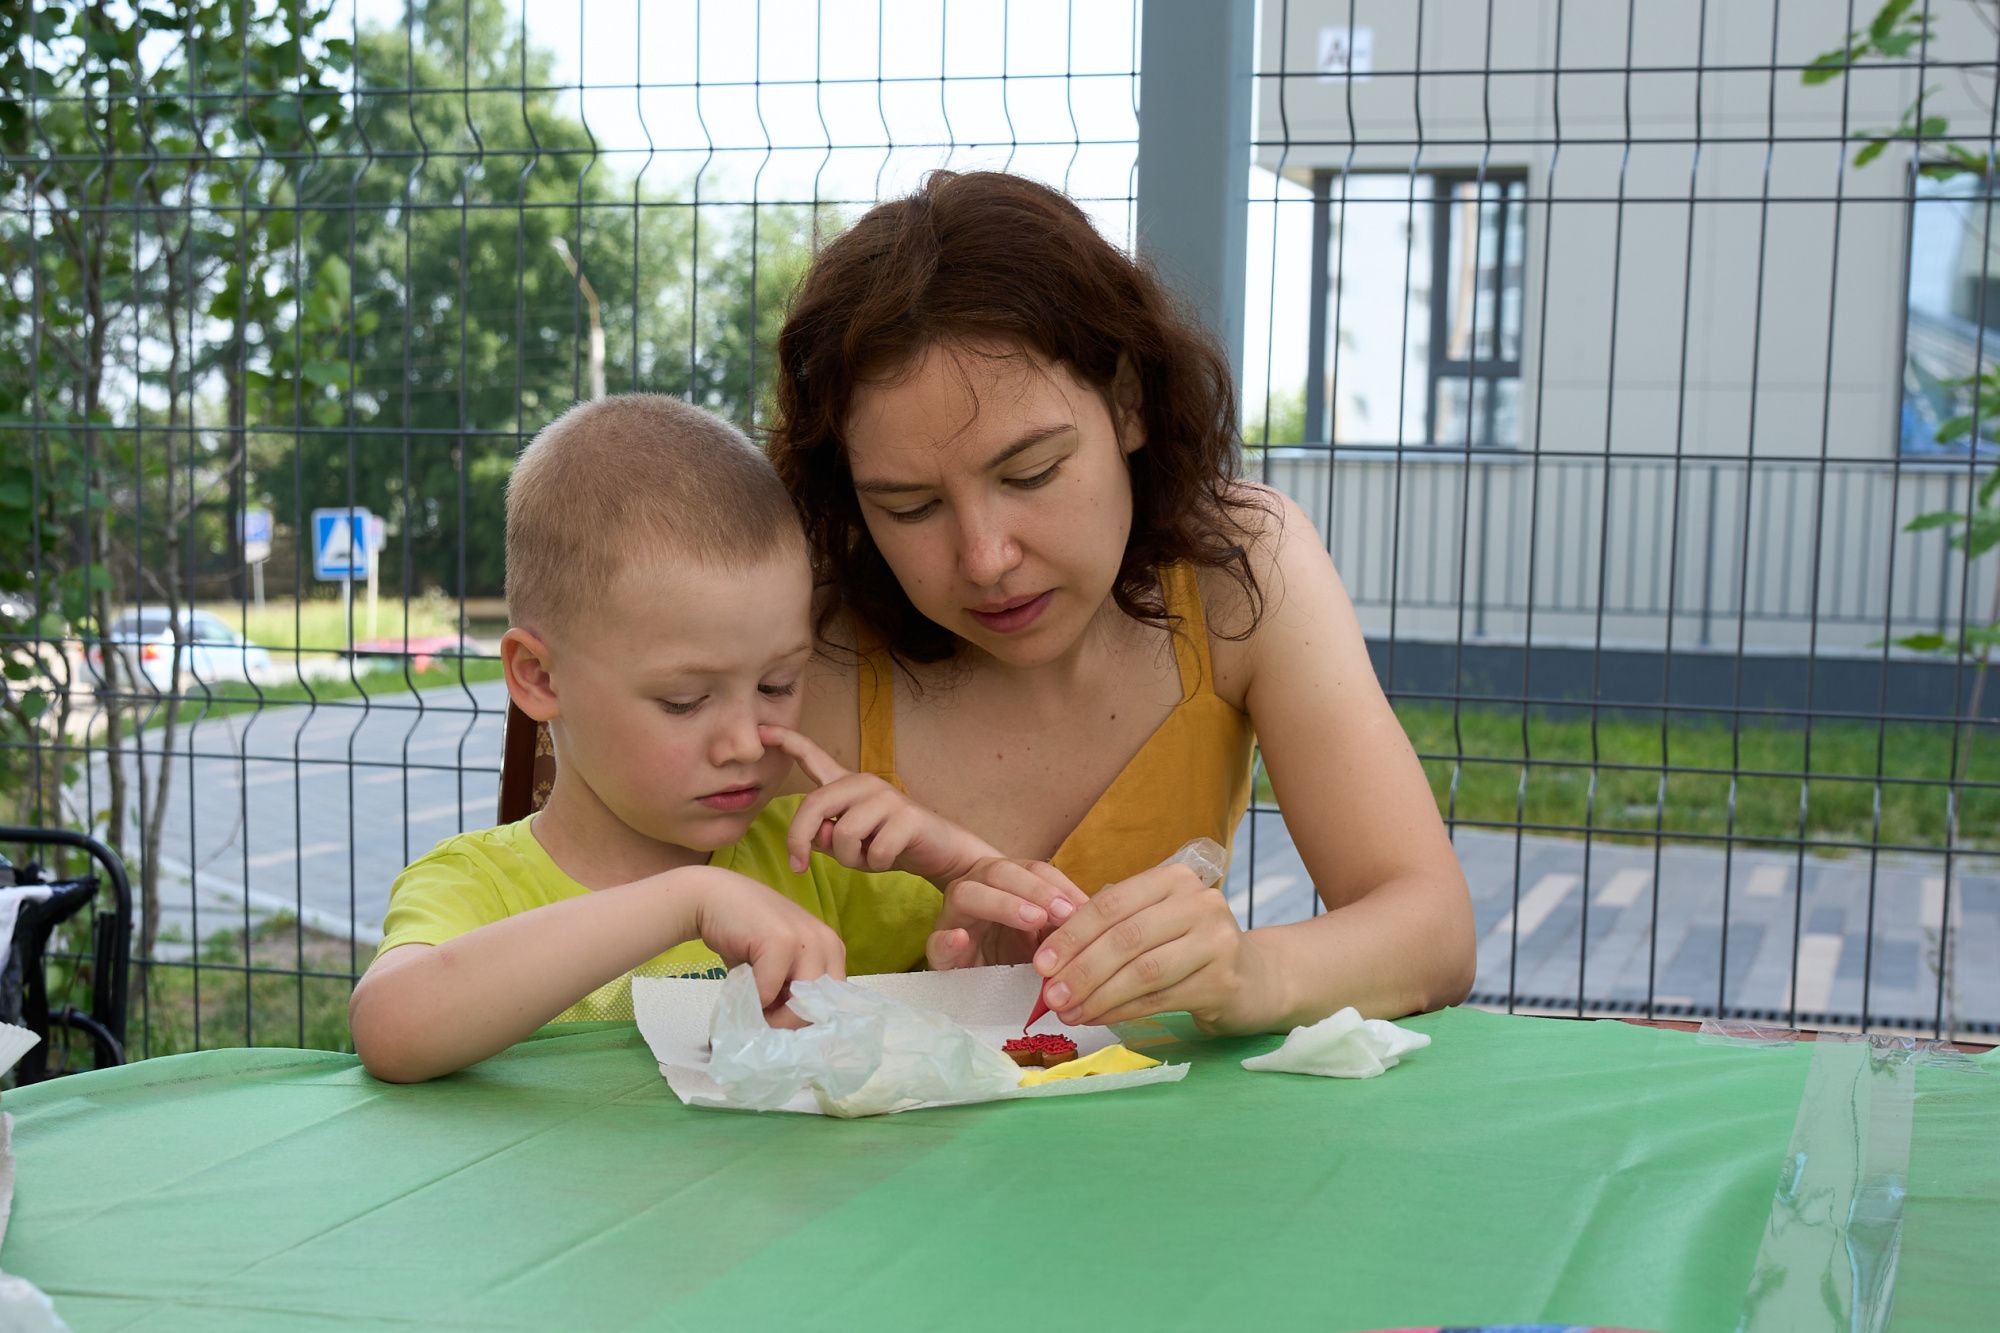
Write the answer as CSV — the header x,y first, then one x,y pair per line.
x,y
1047,1043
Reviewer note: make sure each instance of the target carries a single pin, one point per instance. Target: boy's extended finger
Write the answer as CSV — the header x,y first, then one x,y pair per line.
x,y
946,949
816,763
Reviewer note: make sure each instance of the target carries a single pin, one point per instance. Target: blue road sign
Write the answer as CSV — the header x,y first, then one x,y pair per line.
x,y
341,546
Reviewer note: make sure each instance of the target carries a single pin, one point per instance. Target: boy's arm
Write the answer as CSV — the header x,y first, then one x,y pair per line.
x,y
425,1010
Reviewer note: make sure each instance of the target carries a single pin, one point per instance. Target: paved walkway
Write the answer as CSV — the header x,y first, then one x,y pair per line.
x,y
315,811
1613,922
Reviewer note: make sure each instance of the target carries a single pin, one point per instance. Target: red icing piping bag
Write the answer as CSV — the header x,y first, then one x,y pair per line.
x,y
1041,1007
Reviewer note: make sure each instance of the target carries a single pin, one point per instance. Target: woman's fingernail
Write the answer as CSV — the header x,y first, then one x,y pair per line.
x,y
1057,996
1060,909
1045,962
1031,914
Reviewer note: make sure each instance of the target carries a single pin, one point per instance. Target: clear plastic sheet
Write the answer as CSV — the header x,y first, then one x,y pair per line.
x,y
1834,1238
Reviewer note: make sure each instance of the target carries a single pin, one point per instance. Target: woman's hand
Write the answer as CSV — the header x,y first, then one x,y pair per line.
x,y
998,911
866,824
1158,942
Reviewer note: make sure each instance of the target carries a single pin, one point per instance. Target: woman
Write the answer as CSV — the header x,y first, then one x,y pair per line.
x,y
1054,615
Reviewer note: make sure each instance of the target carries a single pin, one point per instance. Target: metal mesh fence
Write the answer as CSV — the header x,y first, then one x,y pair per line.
x,y
1621,385
1611,371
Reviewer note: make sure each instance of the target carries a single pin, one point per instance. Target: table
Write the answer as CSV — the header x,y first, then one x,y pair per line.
x,y
1519,1169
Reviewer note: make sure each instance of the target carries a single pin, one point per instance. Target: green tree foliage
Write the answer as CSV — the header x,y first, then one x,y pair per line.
x,y
248,258
429,231
115,150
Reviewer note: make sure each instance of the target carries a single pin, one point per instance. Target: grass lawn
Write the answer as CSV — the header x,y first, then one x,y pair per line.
x,y
1622,797
296,993
280,1008
321,622
236,696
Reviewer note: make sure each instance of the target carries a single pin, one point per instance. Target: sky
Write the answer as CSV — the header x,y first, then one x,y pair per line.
x,y
897,88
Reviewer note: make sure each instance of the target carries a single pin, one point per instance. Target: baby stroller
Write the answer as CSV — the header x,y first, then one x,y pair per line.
x,y
102,969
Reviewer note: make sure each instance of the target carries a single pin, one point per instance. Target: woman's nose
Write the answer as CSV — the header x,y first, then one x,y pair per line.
x,y
986,551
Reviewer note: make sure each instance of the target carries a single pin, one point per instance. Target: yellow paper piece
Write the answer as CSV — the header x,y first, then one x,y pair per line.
x,y
1110,1060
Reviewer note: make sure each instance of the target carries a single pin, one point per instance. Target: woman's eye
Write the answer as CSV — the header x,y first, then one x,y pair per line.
x,y
780,691
921,512
678,708
1042,478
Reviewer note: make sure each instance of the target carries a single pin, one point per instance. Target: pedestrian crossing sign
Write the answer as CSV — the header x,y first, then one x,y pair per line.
x,y
342,548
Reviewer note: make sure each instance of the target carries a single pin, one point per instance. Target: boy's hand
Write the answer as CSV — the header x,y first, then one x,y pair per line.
x,y
866,824
747,922
999,912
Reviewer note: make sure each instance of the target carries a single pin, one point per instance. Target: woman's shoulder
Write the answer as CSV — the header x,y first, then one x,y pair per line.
x,y
1281,547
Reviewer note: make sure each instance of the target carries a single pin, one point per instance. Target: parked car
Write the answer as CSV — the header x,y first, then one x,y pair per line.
x,y
421,650
144,639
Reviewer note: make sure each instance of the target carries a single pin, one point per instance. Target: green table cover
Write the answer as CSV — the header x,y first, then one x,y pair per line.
x,y
1517,1170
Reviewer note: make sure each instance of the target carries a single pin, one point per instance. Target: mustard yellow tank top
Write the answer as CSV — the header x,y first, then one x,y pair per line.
x,y
1190,779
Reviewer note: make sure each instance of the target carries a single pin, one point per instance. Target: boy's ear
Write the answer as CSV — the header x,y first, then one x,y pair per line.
x,y
526,660
1127,404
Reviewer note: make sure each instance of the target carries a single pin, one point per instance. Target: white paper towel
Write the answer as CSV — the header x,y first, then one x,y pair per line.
x,y
674,1015
1343,1046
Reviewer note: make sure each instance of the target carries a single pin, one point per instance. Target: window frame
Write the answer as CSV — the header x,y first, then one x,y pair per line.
x,y
1470,369
1492,370
1972,448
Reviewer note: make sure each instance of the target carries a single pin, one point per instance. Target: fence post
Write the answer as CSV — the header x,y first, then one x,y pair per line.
x,y
1318,429
1707,568
1195,73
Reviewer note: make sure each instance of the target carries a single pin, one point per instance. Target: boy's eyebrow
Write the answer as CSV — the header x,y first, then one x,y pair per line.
x,y
1022,445
800,649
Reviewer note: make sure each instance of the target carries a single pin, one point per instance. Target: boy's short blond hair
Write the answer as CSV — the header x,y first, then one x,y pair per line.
x,y
627,478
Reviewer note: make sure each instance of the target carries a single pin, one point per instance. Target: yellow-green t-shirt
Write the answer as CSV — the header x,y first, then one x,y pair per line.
x,y
475,879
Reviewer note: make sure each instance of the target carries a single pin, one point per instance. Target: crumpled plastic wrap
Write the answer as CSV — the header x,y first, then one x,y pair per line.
x,y
907,1040
862,1053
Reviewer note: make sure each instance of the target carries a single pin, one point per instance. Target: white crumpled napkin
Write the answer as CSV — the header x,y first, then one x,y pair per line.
x,y
1343,1046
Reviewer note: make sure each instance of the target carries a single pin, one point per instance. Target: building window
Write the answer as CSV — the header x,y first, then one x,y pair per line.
x,y
1953,320
1420,280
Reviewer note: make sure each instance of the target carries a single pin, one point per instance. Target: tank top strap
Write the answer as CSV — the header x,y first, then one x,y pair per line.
x,y
1181,584
875,709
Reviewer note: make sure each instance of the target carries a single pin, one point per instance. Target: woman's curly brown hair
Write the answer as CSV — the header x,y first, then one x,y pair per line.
x,y
989,257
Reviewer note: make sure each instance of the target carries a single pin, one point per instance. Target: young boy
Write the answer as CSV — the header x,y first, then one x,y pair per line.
x,y
659,590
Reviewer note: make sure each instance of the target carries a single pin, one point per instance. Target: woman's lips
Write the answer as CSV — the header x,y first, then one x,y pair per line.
x,y
732,799
1013,618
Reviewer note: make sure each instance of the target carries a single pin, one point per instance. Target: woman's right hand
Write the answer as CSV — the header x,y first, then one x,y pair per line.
x,y
747,922
998,911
